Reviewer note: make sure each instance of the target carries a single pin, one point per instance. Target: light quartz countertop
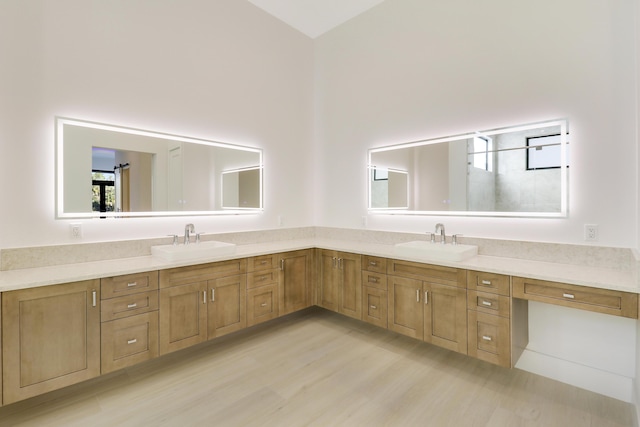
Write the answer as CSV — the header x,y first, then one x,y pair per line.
x,y
604,278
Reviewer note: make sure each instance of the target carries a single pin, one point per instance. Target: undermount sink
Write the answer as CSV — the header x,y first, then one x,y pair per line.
x,y
426,249
193,250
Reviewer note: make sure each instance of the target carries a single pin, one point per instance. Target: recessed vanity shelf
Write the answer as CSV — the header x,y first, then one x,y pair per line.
x,y
110,323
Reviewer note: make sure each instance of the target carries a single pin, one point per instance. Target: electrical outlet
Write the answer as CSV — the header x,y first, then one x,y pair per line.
x,y
591,232
76,231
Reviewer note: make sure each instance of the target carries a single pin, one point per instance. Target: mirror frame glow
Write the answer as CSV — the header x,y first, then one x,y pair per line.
x,y
60,122
563,212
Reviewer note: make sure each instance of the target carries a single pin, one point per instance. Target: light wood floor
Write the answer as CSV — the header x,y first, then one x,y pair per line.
x,y
319,368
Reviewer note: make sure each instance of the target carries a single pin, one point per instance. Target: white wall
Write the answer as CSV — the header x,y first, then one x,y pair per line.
x,y
222,70
409,69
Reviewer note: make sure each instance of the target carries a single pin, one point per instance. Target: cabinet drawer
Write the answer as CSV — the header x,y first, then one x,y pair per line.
x,y
488,303
375,264
128,341
374,304
262,304
489,338
592,299
374,280
488,282
128,284
196,273
262,262
128,305
261,278
432,273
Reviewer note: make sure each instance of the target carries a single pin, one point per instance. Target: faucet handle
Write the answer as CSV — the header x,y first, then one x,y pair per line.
x,y
175,238
198,237
432,237
454,239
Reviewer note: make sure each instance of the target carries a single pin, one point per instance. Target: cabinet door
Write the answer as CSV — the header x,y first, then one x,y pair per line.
x,y
329,284
183,316
227,306
350,273
295,281
51,338
405,306
445,316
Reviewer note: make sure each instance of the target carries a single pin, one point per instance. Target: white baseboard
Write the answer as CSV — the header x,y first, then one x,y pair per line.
x,y
586,377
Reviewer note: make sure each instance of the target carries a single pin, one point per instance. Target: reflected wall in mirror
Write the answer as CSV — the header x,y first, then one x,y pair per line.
x,y
516,171
110,171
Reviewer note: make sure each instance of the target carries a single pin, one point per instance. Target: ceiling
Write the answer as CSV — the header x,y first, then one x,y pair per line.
x,y
315,17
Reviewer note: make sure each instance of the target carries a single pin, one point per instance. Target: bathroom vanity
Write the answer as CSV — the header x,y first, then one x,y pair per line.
x,y
65,324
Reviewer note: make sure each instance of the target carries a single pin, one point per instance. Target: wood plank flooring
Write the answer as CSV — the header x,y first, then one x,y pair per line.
x,y
317,368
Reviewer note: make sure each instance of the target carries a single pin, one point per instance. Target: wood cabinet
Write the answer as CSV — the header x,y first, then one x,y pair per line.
x,y
129,315
428,302
294,285
200,302
374,291
262,289
51,338
340,283
496,334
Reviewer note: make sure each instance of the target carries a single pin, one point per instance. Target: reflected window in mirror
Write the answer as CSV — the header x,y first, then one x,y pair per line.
x,y
514,171
112,171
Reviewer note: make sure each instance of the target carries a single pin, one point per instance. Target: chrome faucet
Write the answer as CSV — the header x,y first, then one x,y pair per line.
x,y
440,229
189,228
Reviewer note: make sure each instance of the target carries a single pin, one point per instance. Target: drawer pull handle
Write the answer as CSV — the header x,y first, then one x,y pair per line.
x,y
134,305
486,282
94,297
263,262
263,278
487,303
417,295
374,307
426,297
373,263
570,296
264,304
133,341
213,295
487,338
373,279
130,285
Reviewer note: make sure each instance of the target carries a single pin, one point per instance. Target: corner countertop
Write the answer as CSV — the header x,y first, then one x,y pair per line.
x,y
582,275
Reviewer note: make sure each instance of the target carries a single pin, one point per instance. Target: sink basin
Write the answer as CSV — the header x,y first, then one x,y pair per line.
x,y
425,249
193,251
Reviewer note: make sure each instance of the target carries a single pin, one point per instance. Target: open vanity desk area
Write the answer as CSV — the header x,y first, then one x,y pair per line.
x,y
138,308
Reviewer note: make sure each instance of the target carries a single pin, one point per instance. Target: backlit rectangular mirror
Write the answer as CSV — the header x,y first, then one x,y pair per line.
x,y
111,171
515,171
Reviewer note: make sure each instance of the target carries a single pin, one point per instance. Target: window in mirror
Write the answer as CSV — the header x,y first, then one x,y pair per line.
x,y
484,173
150,173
